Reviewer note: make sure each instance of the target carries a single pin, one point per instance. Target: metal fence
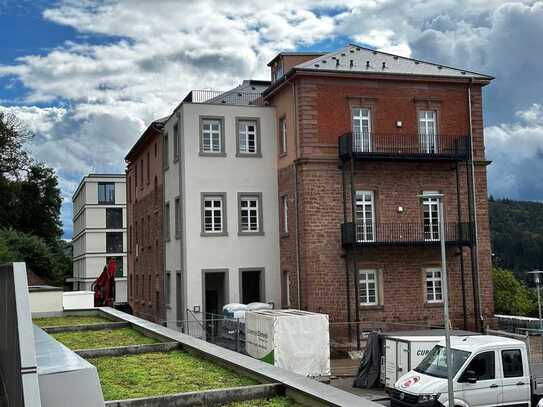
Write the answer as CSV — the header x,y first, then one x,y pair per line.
x,y
226,332
404,144
404,233
227,98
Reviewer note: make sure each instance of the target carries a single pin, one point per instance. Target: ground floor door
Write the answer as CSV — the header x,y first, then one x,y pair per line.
x,y
251,286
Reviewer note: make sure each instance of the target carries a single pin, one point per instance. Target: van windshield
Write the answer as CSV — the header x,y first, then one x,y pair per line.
x,y
435,363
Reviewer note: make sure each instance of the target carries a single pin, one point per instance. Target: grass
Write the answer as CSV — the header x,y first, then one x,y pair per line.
x,y
70,320
277,401
160,373
104,338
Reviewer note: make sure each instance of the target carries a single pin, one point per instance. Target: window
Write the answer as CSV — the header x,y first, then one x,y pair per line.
x,y
114,218
430,207
177,215
283,135
277,71
250,213
119,265
213,210
211,136
483,365
512,363
114,242
166,151
156,190
285,213
364,216
141,173
428,131
175,142
361,129
248,134
167,221
135,178
156,148
367,287
433,285
130,189
106,193
168,288
148,168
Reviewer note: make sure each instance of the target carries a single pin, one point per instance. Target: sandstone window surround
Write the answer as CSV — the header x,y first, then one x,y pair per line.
x,y
213,214
212,136
434,292
248,137
368,287
250,213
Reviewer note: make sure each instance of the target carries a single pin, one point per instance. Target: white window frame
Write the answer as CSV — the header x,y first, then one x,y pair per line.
x,y
431,292
428,131
245,136
368,284
365,227
214,137
431,217
283,130
217,207
285,213
361,123
249,209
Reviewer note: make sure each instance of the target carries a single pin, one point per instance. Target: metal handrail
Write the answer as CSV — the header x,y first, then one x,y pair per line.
x,y
403,232
415,144
231,97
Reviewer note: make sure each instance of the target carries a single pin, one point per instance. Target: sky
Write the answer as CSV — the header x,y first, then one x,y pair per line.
x,y
87,77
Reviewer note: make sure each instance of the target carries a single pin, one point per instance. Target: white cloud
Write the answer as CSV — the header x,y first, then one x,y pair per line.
x,y
150,54
517,153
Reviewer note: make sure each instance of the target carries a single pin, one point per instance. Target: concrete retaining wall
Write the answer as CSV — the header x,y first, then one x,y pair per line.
x,y
89,327
128,350
203,398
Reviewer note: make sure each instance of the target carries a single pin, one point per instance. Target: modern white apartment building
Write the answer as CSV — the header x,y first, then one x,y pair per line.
x,y
221,202
99,230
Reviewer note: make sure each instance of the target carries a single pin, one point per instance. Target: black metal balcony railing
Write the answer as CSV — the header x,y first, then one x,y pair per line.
x,y
403,234
226,98
403,146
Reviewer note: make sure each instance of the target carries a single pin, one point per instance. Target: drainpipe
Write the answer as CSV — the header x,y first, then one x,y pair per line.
x,y
462,272
347,283
475,271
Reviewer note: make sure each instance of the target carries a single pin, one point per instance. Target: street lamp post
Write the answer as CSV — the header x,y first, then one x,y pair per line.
x,y
537,279
445,286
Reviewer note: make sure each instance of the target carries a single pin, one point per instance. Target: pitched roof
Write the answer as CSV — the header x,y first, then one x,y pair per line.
x,y
155,125
247,93
354,58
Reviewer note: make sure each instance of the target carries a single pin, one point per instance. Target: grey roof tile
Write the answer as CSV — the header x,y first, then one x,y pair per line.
x,y
354,58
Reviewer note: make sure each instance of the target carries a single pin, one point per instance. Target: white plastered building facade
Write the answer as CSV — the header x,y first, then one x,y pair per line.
x,y
222,246
99,231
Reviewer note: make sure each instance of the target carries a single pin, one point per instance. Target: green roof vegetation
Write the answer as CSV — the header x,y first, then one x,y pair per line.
x,y
157,373
69,320
278,401
104,338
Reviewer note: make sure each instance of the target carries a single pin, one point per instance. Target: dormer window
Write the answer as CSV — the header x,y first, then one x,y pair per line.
x,y
277,71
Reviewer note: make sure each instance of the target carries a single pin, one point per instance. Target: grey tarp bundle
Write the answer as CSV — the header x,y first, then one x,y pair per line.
x,y
368,371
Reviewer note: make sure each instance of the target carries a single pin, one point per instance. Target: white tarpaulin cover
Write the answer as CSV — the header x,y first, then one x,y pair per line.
x,y
295,340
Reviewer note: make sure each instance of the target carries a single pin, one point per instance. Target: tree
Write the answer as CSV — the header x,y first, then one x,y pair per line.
x,y
13,135
510,296
39,203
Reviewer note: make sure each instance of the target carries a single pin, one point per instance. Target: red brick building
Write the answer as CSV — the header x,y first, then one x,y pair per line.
x,y
367,136
145,201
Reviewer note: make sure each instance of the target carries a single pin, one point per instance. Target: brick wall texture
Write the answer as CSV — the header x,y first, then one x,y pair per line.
x,y
145,238
321,107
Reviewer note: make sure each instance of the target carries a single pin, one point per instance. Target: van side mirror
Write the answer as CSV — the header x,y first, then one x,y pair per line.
x,y
471,376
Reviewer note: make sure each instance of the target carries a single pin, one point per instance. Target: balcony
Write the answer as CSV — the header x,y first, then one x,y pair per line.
x,y
402,147
403,234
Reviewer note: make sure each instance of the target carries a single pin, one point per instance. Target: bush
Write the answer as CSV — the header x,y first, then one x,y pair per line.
x,y
511,297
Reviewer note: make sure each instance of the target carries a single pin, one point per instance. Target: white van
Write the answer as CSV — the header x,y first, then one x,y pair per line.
x,y
487,371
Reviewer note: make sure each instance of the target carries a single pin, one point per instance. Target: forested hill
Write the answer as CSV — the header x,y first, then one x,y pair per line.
x,y
517,235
